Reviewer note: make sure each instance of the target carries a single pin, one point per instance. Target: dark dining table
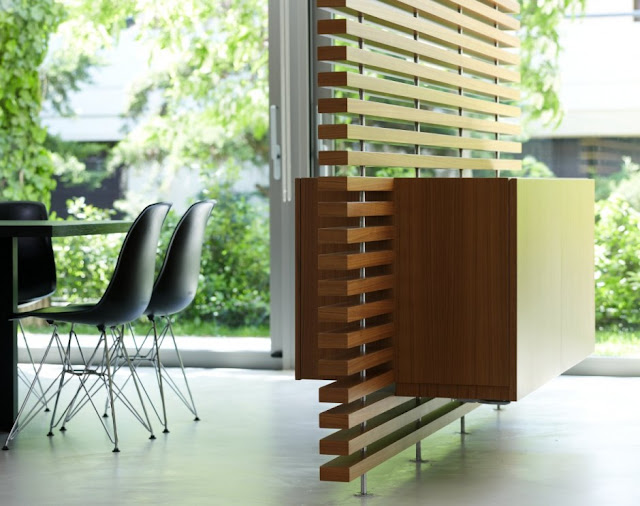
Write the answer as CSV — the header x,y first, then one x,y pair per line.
x,y
10,231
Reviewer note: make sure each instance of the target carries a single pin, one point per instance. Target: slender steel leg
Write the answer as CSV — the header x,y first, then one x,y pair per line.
x,y
159,372
184,374
135,382
463,426
110,383
16,424
26,345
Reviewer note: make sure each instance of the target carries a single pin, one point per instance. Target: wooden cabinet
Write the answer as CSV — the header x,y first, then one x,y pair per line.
x,y
494,289
471,288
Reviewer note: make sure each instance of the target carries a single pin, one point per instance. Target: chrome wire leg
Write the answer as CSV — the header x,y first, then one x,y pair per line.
x,y
33,365
110,385
184,374
134,374
158,369
16,428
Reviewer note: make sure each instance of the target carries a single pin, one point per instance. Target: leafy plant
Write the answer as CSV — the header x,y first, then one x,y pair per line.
x,y
85,263
617,272
25,165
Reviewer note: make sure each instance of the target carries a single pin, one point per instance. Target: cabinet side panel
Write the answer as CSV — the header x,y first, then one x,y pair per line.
x,y
555,321
578,287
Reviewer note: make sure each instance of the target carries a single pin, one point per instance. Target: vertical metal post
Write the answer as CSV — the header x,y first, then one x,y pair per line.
x,y
363,271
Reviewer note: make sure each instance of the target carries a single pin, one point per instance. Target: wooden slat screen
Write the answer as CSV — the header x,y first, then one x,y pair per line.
x,y
420,83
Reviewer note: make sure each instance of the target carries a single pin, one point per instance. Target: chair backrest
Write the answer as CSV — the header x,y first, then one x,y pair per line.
x,y
131,285
177,281
36,262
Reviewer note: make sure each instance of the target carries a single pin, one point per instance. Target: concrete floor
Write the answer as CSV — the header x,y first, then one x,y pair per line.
x,y
574,442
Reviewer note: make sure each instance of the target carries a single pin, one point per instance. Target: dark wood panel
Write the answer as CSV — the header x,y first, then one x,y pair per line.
x,y
452,283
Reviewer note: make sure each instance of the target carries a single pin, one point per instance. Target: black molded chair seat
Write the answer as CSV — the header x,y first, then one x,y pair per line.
x,y
125,299
36,262
174,289
36,268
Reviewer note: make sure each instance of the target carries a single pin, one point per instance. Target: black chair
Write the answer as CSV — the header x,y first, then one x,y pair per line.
x,y
174,290
125,299
36,268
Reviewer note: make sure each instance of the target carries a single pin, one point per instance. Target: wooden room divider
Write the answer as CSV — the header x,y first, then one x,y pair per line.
x,y
420,295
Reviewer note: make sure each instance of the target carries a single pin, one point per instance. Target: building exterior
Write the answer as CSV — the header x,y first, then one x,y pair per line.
x,y
600,80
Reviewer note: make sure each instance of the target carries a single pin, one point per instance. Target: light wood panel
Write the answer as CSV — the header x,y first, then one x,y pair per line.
x,y
378,159
355,387
346,416
354,209
350,467
346,261
356,336
389,111
408,68
395,136
387,40
433,31
355,286
432,78
388,87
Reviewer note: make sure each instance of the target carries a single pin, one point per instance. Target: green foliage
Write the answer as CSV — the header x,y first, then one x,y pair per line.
x,y
617,237
234,282
204,101
539,56
25,165
69,161
85,263
234,285
531,167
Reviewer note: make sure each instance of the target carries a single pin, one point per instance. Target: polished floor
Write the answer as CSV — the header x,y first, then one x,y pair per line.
x,y
574,442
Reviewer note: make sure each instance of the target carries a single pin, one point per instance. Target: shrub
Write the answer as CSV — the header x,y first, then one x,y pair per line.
x,y
234,282
617,264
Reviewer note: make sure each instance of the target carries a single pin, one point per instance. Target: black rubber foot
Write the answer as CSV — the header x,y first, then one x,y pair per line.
x,y
63,429
116,450
105,416
47,410
50,434
5,447
165,431
196,419
152,436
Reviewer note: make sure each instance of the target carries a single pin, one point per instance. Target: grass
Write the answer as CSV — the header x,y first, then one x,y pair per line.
x,y
616,343
182,328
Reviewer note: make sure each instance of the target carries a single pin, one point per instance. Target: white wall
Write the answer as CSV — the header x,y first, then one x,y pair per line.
x,y
600,74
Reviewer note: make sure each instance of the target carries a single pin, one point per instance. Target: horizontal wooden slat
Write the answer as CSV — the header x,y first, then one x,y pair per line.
x,y
354,387
508,5
428,29
353,337
346,287
349,366
386,86
489,13
353,235
377,159
409,68
347,261
347,313
397,136
348,441
355,184
437,12
345,469
399,43
346,416
388,111
354,209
